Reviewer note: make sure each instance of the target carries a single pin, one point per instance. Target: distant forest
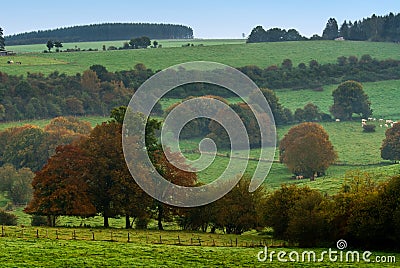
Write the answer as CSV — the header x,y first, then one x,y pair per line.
x,y
102,32
375,28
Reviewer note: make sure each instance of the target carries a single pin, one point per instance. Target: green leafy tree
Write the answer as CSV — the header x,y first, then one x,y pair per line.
x,y
25,146
16,184
350,98
278,207
331,30
306,150
58,44
310,113
49,45
238,211
7,218
280,114
307,223
390,149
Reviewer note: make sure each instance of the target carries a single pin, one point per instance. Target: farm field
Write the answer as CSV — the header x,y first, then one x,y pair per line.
x,y
232,53
118,43
145,250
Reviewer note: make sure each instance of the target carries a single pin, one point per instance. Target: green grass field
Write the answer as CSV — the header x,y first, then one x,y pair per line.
x,y
233,53
145,250
99,45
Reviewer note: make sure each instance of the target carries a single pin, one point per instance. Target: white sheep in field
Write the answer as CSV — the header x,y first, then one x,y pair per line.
x,y
389,121
386,125
381,120
363,120
337,120
381,125
370,118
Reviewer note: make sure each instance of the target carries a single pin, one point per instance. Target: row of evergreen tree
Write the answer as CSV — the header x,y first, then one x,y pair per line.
x,y
102,32
375,28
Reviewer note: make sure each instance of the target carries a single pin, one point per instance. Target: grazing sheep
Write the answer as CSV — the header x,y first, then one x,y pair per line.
x,y
337,120
386,125
381,125
381,120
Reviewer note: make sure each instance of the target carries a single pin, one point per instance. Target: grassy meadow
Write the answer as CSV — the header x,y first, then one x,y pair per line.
x,y
233,53
77,253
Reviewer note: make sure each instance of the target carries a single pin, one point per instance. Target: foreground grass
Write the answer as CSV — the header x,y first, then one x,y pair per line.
x,y
32,252
233,54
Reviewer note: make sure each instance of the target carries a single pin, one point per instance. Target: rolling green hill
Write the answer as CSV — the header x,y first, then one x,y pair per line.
x,y
236,55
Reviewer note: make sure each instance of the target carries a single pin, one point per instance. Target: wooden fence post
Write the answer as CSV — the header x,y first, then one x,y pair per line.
x,y
2,231
93,236
160,239
179,240
128,238
57,234
37,233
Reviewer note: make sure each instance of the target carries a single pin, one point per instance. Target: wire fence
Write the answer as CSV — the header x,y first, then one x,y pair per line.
x,y
140,237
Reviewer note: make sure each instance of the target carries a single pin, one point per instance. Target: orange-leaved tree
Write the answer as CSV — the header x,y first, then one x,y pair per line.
x,y
390,149
306,150
60,188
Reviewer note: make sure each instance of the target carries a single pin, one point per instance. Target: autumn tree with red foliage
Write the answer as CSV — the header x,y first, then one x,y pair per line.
x,y
60,188
306,150
390,149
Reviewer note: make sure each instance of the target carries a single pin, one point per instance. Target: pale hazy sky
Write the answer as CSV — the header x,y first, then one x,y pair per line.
x,y
209,19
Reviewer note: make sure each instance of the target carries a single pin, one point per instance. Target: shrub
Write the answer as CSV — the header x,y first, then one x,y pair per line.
x,y
369,128
142,223
38,220
7,218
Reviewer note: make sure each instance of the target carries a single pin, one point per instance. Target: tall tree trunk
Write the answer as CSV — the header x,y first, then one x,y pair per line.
x,y
127,222
160,216
106,224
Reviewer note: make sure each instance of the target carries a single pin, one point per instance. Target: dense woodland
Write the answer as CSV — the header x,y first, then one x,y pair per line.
x,y
102,32
375,28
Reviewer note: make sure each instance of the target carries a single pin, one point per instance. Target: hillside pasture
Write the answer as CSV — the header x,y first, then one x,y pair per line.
x,y
118,43
236,55
384,97
146,249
